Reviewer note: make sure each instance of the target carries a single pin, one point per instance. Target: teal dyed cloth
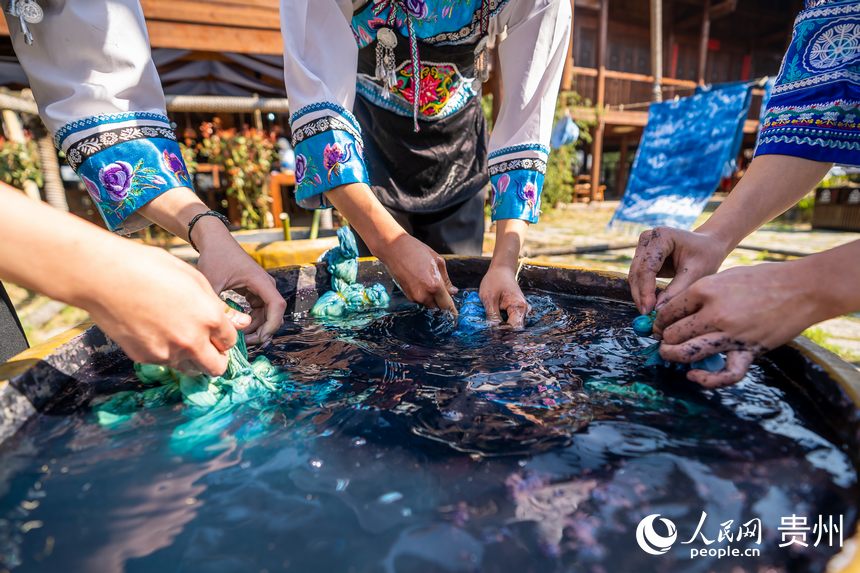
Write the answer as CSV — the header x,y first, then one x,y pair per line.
x,y
643,325
347,295
210,401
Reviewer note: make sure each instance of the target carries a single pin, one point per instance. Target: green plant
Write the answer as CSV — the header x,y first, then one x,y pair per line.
x,y
19,162
246,158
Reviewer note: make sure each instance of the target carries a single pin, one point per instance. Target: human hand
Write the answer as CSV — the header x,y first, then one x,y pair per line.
x,y
665,252
743,312
228,267
500,291
160,310
420,272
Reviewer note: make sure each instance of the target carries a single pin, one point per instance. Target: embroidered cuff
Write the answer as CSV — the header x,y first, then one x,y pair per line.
x,y
329,152
827,131
517,176
125,161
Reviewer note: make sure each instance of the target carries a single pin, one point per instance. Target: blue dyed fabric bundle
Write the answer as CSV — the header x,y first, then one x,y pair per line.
x,y
643,325
210,400
347,296
472,314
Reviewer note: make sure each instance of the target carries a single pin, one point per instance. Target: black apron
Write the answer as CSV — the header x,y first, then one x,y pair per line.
x,y
436,175
12,339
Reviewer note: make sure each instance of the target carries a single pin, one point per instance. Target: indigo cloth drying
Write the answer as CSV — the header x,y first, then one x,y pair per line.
x,y
682,156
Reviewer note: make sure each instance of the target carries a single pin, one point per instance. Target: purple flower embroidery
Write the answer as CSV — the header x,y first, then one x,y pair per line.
x,y
417,8
174,164
334,155
528,193
116,178
92,189
301,168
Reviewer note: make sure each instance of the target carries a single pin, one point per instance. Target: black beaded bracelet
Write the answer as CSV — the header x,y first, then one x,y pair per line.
x,y
199,216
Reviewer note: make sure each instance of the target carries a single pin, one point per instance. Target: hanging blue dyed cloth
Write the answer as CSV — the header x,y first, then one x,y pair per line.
x,y
347,296
565,132
682,156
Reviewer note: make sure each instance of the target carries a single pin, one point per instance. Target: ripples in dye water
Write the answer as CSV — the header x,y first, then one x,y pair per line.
x,y
404,444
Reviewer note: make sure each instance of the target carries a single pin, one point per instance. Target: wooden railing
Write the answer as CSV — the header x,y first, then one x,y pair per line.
x,y
624,88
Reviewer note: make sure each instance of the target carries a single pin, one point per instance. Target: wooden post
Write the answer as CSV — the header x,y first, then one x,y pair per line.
x,y
621,173
703,42
597,138
567,75
657,49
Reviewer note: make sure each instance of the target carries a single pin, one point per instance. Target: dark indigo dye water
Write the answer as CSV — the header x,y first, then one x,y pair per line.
x,y
406,445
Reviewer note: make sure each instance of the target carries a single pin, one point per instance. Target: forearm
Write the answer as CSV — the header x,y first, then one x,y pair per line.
x,y
830,279
510,236
52,252
771,185
366,215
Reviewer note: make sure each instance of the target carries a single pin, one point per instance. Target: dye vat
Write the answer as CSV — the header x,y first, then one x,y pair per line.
x,y
404,443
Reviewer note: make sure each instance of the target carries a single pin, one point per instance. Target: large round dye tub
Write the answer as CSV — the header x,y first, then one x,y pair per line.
x,y
469,489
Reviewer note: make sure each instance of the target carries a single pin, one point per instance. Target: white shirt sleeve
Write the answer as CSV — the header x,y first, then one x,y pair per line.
x,y
320,71
98,92
532,57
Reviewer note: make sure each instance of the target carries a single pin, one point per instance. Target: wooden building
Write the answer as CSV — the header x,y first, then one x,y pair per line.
x,y
233,47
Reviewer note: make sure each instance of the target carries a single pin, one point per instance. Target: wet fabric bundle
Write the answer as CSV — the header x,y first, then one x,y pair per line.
x,y
347,296
210,400
643,325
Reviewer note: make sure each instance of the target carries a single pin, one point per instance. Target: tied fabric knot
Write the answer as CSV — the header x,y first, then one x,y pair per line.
x,y
211,401
347,295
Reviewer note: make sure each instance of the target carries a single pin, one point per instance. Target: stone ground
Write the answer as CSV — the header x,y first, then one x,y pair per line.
x,y
572,225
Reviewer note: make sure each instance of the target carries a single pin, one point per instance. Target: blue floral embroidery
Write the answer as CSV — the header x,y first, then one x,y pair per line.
x,y
516,195
814,109
119,188
324,161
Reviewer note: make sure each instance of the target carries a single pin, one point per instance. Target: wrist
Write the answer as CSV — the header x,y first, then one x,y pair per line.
x,y
208,232
818,304
723,239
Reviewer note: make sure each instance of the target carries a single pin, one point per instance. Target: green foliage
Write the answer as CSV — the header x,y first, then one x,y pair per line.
x,y
19,162
560,180
246,157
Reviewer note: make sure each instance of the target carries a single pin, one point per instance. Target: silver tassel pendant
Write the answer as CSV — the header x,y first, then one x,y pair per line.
x,y
386,41
28,12
482,60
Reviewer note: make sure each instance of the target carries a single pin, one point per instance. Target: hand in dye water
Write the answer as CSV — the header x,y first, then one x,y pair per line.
x,y
228,267
743,312
500,292
664,252
420,272
160,310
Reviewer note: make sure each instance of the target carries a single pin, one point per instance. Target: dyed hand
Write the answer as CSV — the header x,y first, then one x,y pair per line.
x,y
420,272
160,310
743,312
228,267
500,291
664,252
